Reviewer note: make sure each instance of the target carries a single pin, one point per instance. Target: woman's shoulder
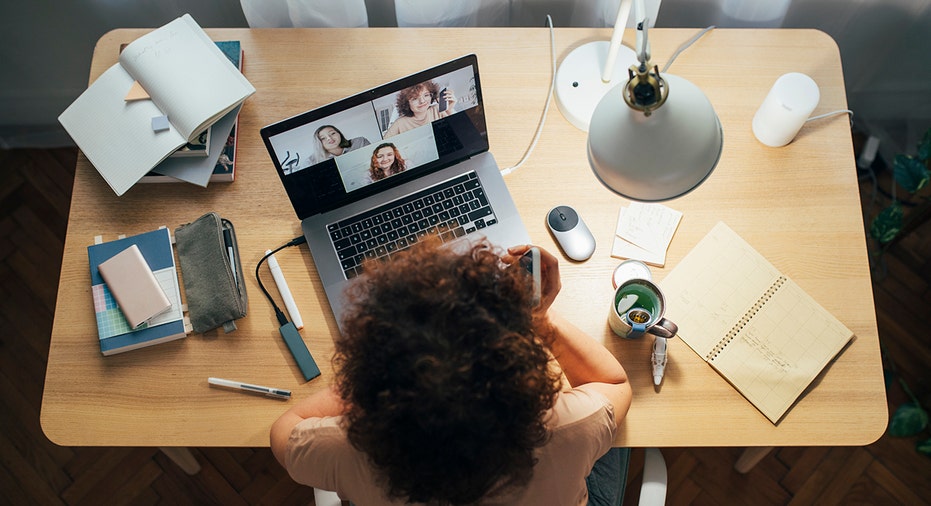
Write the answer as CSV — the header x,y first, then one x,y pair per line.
x,y
580,403
358,142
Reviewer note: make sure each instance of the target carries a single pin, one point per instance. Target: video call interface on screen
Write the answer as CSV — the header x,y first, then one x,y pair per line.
x,y
388,135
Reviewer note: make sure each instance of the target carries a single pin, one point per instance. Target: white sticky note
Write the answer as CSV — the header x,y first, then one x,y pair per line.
x,y
644,232
650,226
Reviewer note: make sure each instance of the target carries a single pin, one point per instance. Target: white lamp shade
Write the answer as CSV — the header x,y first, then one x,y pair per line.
x,y
656,157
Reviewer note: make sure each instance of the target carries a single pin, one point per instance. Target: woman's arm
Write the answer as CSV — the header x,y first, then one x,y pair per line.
x,y
582,359
585,361
320,404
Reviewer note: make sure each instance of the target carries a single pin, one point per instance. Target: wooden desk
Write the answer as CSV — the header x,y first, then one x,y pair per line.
x,y
798,205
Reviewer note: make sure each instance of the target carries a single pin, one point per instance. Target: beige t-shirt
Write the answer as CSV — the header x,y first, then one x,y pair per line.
x,y
582,429
405,123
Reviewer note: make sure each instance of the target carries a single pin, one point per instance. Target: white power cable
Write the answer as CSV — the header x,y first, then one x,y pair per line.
x,y
546,107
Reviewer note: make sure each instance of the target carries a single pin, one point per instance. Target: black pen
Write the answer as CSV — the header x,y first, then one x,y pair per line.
x,y
277,393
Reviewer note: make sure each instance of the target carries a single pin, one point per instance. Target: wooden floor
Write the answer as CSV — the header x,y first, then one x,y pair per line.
x,y
35,188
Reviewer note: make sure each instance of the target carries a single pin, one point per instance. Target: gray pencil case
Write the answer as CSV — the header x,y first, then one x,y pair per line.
x,y
211,273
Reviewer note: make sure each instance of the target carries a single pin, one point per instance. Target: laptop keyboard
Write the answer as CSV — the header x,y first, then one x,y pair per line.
x,y
450,209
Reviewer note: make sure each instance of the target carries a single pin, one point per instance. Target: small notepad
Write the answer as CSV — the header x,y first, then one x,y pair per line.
x,y
134,286
644,232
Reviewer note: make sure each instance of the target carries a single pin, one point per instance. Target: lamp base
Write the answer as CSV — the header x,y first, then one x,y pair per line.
x,y
579,87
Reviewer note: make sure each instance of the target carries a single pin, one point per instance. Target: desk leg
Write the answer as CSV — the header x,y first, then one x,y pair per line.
x,y
750,457
183,457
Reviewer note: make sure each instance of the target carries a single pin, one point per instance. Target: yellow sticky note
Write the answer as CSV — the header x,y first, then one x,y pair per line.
x,y
136,93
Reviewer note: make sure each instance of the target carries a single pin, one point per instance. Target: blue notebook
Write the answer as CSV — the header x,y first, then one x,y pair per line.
x,y
114,332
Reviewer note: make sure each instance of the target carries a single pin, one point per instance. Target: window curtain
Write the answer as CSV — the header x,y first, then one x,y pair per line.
x,y
422,13
305,13
884,44
884,47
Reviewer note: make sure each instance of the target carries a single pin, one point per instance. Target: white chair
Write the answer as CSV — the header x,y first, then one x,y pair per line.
x,y
652,489
305,13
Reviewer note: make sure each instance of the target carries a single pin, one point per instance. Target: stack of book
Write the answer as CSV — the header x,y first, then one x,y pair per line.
x,y
115,332
215,157
169,87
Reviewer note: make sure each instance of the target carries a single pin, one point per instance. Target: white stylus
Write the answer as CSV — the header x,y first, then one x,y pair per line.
x,y
284,290
659,359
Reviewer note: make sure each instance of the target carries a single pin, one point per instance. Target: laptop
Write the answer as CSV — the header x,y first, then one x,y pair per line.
x,y
372,174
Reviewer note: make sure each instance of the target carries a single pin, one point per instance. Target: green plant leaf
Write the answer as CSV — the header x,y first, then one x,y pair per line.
x,y
924,147
924,447
888,378
887,224
909,419
910,172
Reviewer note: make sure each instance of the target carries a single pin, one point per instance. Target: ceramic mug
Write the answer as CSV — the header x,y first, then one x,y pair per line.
x,y
637,308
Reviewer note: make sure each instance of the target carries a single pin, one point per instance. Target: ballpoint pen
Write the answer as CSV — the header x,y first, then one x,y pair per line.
x,y
246,387
284,290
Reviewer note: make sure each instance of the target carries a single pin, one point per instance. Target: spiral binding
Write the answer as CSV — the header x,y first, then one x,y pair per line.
x,y
745,319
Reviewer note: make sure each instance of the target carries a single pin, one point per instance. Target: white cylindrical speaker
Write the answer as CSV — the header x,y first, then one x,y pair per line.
x,y
785,109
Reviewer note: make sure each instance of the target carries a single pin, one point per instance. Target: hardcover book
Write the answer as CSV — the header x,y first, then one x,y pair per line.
x,y
197,146
114,331
219,165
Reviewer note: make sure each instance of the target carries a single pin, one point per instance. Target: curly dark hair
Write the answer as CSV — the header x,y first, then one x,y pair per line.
x,y
403,101
446,373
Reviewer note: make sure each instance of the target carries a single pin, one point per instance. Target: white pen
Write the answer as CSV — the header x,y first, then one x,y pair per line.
x,y
284,290
228,240
269,392
659,359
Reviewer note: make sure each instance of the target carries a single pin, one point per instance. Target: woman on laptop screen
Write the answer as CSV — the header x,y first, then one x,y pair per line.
x,y
330,143
421,105
386,161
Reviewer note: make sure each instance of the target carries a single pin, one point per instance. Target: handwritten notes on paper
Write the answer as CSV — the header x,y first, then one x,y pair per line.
x,y
644,232
753,324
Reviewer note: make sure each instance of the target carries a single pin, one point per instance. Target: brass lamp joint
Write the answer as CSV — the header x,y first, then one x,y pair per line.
x,y
646,90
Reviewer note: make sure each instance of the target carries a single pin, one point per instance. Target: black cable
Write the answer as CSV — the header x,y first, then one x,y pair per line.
x,y
282,319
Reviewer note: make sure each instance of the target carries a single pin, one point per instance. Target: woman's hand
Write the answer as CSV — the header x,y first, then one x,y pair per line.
x,y
550,283
450,99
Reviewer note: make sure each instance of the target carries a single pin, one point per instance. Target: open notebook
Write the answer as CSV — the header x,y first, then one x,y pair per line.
x,y
754,325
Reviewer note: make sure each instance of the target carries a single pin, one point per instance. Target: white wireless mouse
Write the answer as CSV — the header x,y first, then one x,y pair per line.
x,y
571,233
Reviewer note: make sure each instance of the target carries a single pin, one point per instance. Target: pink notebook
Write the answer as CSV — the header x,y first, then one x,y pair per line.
x,y
134,286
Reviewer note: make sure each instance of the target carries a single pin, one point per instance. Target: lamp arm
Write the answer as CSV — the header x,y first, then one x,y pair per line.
x,y
643,42
623,12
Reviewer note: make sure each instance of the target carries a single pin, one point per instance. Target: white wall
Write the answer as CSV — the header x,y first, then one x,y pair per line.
x,y
46,48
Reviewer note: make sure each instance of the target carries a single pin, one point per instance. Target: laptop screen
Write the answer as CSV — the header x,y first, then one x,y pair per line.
x,y
380,138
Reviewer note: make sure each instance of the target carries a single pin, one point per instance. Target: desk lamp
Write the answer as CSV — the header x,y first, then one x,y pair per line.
x,y
654,137
591,70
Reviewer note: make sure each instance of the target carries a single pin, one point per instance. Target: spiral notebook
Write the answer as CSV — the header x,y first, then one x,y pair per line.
x,y
754,325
